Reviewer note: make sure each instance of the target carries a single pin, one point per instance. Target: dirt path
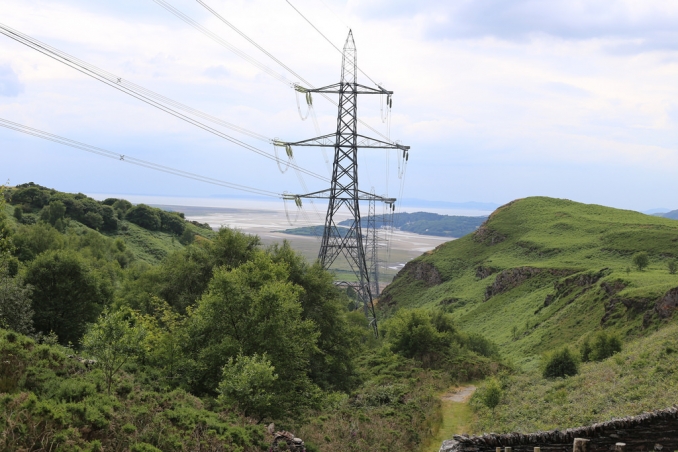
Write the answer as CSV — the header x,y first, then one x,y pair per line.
x,y
457,416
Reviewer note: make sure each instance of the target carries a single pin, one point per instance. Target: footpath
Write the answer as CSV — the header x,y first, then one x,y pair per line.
x,y
457,416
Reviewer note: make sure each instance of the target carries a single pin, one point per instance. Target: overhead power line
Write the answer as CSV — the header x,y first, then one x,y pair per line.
x,y
129,159
142,94
325,37
223,42
245,56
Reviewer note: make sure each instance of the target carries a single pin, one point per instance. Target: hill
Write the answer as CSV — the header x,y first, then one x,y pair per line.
x,y
424,223
542,272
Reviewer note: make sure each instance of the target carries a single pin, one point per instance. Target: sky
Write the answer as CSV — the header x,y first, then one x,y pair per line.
x,y
498,99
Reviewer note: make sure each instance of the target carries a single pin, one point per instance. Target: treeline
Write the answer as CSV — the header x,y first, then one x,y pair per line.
x,y
33,203
258,334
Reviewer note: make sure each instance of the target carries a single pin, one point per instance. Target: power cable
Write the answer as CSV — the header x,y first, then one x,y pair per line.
x,y
245,56
128,159
223,42
144,96
326,38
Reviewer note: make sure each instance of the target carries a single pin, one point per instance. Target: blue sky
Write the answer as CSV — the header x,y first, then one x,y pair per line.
x,y
498,99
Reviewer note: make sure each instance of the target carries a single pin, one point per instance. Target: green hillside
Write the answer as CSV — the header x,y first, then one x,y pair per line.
x,y
545,272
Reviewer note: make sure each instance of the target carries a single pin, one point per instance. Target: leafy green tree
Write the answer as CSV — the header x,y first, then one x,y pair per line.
x,y
172,222
18,213
332,364
121,206
93,220
110,220
605,345
165,336
412,334
231,248
492,394
33,240
561,363
15,303
253,308
66,294
52,212
145,216
673,266
249,384
113,340
641,260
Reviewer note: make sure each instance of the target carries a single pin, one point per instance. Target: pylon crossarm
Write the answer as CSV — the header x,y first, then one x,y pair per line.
x,y
326,194
330,140
337,89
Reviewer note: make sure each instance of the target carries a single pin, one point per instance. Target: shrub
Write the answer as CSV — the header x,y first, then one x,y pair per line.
x,y
561,363
641,260
673,266
585,351
145,216
605,345
492,395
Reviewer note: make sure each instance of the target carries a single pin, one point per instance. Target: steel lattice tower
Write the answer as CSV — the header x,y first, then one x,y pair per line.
x,y
344,192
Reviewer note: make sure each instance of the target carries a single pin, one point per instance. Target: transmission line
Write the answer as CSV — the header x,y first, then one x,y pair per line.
x,y
142,94
325,37
245,56
128,159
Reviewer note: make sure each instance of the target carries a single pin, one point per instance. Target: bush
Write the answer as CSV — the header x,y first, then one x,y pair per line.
x,y
673,266
145,216
641,260
604,345
561,363
492,394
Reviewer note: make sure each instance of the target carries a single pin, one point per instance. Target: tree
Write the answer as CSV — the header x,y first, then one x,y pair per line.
x,y
249,385
172,222
113,340
253,308
231,248
18,213
413,335
110,221
492,394
641,260
15,303
93,220
673,266
53,212
145,216
66,295
561,363
585,351
332,363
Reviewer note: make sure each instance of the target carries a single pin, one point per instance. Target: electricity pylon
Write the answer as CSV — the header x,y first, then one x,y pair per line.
x,y
344,191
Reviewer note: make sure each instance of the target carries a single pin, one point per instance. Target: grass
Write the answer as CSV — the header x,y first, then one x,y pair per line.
x,y
548,234
640,378
456,418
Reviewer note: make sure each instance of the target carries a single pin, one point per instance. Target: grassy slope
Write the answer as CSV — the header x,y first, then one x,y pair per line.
x,y
546,233
640,378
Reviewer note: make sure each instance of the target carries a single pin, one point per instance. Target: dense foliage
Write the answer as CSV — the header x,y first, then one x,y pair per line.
x,y
128,325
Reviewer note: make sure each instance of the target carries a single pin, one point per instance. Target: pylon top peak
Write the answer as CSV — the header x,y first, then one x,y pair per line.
x,y
350,43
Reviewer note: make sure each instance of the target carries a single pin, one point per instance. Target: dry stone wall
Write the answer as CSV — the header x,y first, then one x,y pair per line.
x,y
655,431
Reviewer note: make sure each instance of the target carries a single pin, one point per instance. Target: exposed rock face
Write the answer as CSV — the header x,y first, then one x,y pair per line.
x,y
513,277
488,236
649,431
613,288
423,271
667,304
484,272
